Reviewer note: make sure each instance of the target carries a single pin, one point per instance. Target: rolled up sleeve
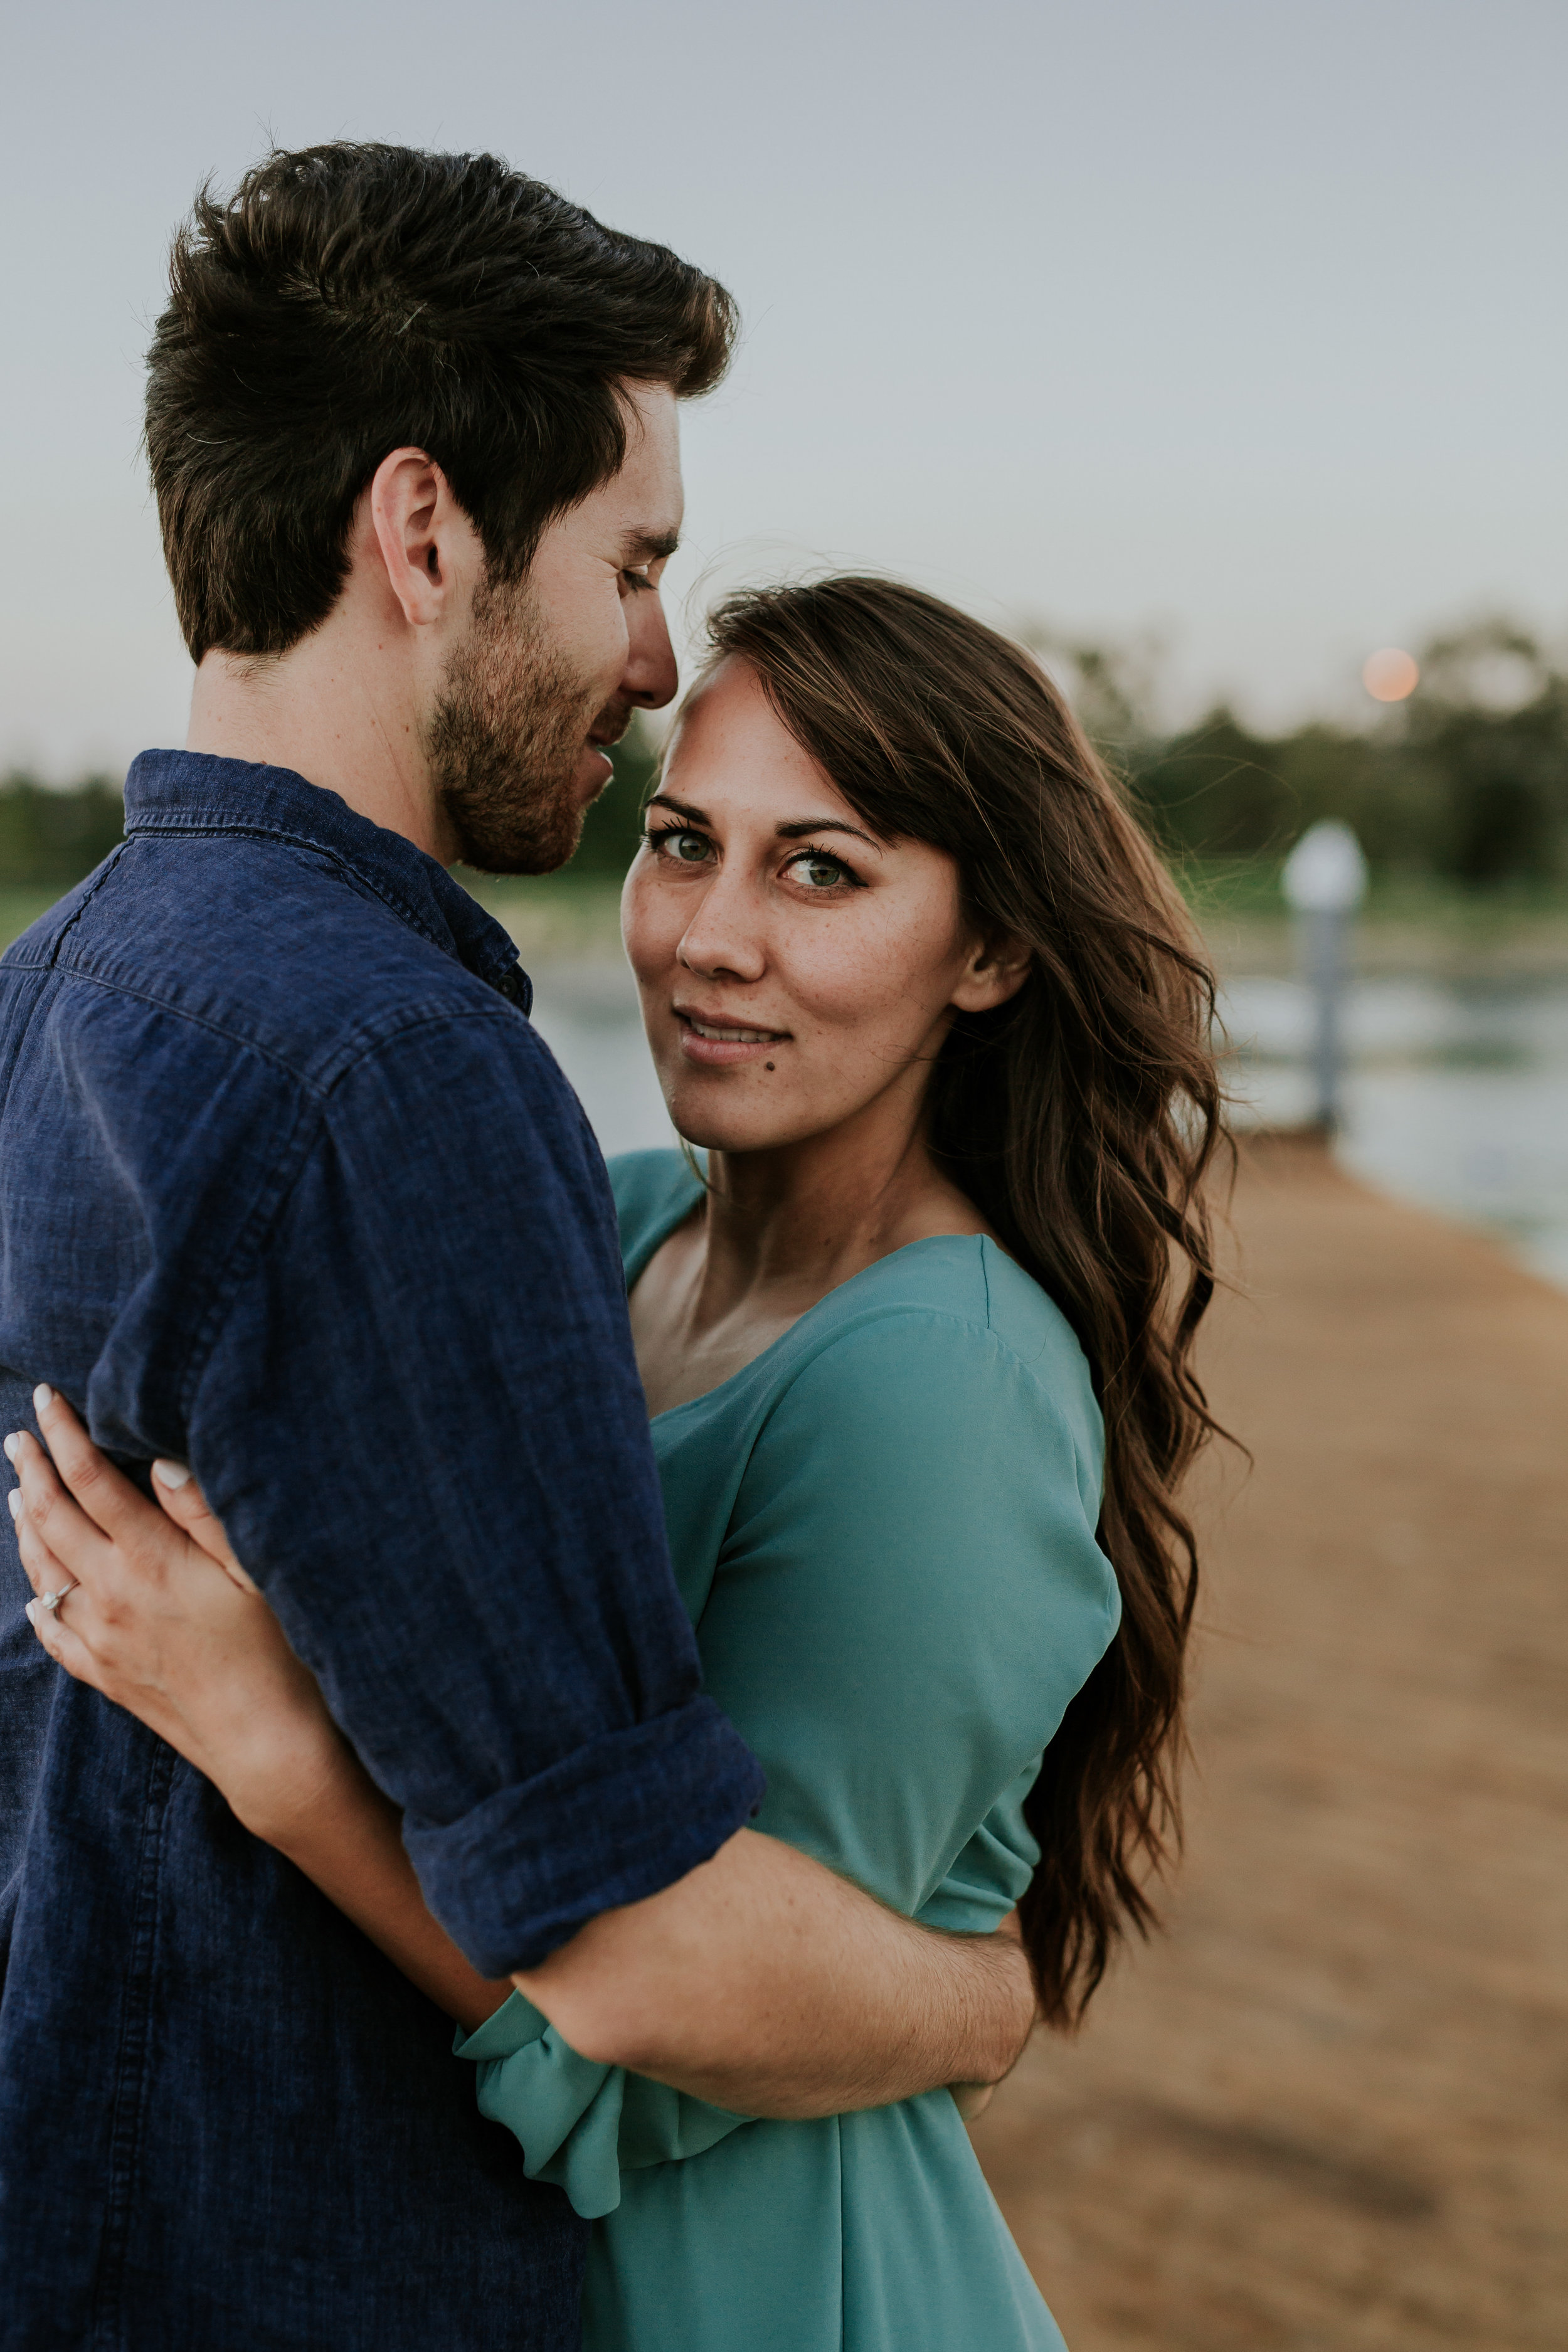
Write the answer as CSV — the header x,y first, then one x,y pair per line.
x,y
420,1420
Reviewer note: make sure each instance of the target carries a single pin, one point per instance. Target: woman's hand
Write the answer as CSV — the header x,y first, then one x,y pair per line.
x,y
159,1615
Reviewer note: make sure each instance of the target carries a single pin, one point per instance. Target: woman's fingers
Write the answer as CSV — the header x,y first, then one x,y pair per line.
x,y
60,1638
44,1572
74,1539
106,1497
104,1492
186,1505
159,1617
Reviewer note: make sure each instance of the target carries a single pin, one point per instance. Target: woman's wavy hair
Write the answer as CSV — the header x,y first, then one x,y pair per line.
x,y
1081,1118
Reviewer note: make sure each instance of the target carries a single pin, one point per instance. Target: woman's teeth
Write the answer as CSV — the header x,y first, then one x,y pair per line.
x,y
732,1036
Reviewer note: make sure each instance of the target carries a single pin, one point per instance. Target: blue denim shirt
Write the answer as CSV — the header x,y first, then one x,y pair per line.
x,y
290,1188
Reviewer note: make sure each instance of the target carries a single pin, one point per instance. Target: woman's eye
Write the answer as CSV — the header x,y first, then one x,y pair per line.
x,y
820,873
674,841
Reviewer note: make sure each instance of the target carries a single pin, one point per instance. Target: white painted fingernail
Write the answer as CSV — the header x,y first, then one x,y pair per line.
x,y
27,1612
12,1446
43,1397
172,1473
14,1499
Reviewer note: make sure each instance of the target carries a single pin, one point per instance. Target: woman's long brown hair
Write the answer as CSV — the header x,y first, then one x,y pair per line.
x,y
1081,1118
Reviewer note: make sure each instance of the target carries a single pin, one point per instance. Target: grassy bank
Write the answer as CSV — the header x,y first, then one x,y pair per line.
x,y
553,918
18,907
1415,924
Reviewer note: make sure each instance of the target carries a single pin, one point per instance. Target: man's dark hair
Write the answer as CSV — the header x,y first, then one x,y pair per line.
x,y
348,299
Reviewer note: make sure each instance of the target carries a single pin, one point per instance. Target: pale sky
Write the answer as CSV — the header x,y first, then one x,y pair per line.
x,y
1238,321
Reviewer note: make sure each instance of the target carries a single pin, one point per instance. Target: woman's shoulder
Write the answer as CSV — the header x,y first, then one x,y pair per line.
x,y
957,1317
653,1191
941,1412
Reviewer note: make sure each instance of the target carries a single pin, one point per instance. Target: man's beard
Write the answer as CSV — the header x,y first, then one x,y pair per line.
x,y
507,739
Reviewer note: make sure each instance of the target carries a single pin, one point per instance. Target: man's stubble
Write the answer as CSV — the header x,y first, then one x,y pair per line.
x,y
506,737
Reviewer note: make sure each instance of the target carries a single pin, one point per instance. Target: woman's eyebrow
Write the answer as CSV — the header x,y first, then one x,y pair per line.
x,y
805,825
797,830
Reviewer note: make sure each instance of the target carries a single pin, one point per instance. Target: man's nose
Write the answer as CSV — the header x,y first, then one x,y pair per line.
x,y
651,677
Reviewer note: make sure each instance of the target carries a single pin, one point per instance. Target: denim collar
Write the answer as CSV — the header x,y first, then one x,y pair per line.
x,y
191,792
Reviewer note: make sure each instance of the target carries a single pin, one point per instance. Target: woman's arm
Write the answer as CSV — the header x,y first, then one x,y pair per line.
x,y
347,1837
162,1620
760,1981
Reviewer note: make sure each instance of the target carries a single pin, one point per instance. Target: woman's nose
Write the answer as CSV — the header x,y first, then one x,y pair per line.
x,y
724,938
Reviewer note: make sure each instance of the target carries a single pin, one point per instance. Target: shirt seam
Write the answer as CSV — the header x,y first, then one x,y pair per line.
x,y
72,920
342,864
892,1310
311,1099
131,2084
1008,1355
356,1049
251,1240
249,1243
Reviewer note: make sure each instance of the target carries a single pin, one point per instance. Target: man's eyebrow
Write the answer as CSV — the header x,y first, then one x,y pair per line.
x,y
649,546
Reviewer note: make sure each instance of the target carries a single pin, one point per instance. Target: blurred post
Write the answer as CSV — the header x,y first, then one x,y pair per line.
x,y
1324,882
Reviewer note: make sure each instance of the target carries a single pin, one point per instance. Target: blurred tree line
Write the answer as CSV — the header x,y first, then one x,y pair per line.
x,y
51,835
1468,780
612,828
50,838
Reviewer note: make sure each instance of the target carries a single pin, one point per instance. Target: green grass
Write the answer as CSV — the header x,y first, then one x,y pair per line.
x,y
1411,924
1251,887
20,907
548,915
553,917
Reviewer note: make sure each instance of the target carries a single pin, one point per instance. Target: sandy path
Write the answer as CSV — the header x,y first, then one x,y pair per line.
x,y
1331,2108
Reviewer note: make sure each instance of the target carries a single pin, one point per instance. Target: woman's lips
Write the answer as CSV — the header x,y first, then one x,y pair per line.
x,y
717,1045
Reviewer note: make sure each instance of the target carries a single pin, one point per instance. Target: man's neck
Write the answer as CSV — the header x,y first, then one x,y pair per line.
x,y
335,712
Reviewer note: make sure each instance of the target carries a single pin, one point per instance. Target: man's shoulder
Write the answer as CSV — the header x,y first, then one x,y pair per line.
x,y
275,945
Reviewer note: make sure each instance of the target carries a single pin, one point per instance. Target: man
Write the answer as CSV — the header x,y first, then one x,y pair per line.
x,y
289,1189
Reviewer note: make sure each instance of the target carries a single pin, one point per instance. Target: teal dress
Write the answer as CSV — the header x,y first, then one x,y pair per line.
x,y
884,1528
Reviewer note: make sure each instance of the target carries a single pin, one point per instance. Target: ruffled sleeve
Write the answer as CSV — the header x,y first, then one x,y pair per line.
x,y
581,2125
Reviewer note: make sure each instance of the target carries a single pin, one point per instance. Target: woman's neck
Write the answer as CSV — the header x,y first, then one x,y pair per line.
x,y
776,1230
789,1225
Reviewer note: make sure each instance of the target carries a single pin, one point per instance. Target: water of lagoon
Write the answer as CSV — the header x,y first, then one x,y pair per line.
x,y
1456,1096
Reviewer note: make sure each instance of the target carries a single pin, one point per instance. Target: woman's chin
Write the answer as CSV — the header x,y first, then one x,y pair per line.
x,y
718,1134
731,1127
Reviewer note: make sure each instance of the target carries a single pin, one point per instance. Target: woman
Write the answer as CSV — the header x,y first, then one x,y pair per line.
x,y
915,1344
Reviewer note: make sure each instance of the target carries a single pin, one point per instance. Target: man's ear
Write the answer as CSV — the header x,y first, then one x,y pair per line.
x,y
419,527
996,970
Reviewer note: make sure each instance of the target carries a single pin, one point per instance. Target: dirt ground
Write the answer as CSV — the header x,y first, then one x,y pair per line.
x,y
1331,2108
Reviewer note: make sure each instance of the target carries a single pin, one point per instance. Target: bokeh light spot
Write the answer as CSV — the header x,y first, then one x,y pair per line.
x,y
1390,674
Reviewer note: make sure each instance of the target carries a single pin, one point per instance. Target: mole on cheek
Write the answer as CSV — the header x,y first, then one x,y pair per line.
x,y
767,1065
